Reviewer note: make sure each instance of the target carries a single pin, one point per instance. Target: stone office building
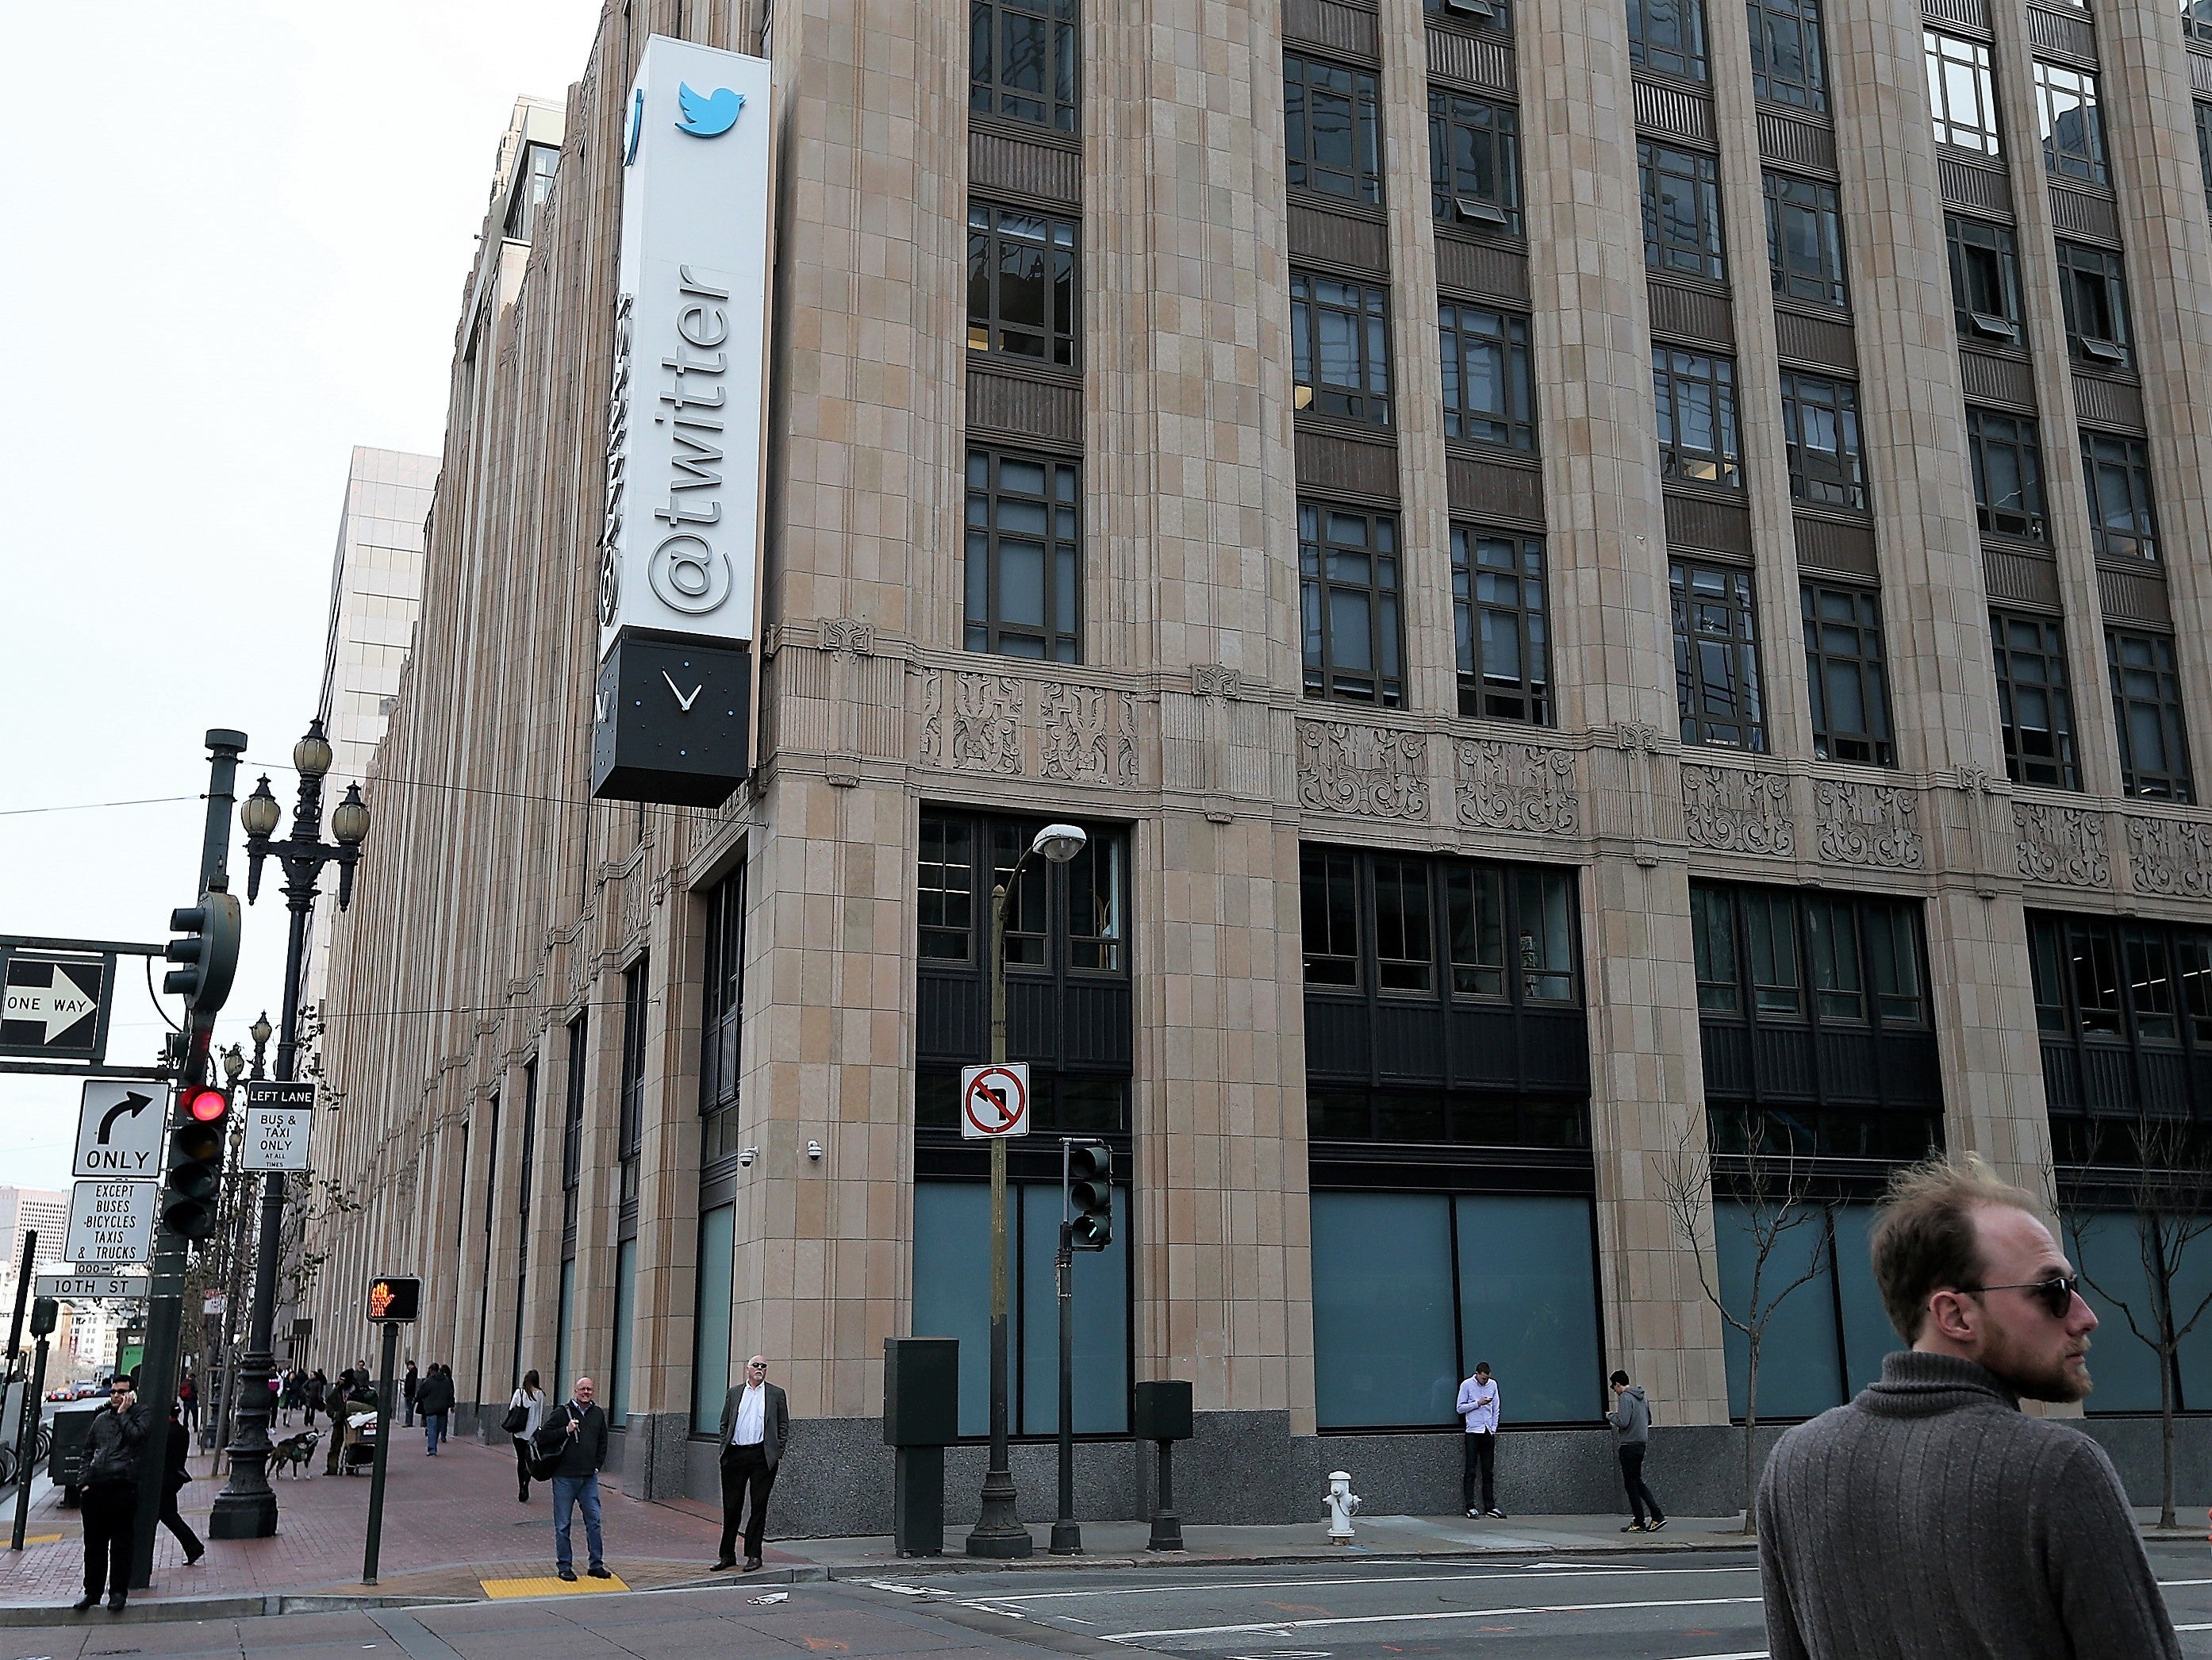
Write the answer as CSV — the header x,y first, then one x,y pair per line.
x,y
1604,577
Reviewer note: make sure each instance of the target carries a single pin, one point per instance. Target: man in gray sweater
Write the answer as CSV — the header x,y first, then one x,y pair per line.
x,y
1931,1519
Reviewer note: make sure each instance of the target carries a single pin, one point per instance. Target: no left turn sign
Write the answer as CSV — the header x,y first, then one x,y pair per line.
x,y
994,1101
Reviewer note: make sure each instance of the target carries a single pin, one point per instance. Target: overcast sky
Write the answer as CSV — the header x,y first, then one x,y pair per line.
x,y
234,241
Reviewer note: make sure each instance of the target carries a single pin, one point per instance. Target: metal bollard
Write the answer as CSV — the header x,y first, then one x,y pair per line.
x,y
1342,1503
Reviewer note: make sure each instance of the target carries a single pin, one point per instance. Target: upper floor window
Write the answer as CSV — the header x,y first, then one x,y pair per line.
x,y
2035,711
1717,656
1805,239
1331,128
1696,395
1498,616
2093,282
1961,93
1474,160
1786,66
629,1138
572,1121
533,189
1774,954
1348,601
2196,21
1486,14
1820,436
1340,347
1668,35
1681,192
2204,150
1467,928
1025,584
2123,521
1022,283
1490,390
1059,917
1021,60
2097,976
2147,707
2072,126
1984,279
1843,668
2007,456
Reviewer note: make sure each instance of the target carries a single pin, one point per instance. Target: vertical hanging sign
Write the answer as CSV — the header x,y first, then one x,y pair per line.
x,y
680,541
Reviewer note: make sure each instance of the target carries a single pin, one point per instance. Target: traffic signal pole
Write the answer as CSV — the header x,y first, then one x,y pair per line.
x,y
157,1373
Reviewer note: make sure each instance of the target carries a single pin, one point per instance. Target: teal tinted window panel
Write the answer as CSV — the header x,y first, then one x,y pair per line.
x,y
2192,1286
2107,1250
1800,1372
1868,1335
625,1315
952,1285
1383,1350
564,1333
1099,1310
710,1325
1528,1301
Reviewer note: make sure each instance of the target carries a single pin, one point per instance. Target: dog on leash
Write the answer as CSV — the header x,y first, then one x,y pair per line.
x,y
295,1452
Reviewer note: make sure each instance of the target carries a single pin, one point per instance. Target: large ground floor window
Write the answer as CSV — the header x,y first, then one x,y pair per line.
x,y
625,1316
2119,1280
710,1329
952,1299
1822,1341
1412,1289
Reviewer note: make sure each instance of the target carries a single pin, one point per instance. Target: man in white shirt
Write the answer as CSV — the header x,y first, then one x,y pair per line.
x,y
1477,1409
756,1424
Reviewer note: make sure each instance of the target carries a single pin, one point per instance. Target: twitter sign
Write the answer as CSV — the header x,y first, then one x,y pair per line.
x,y
679,545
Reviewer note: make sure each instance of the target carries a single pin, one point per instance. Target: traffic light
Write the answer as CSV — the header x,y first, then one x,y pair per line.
x,y
196,1148
1090,1194
208,950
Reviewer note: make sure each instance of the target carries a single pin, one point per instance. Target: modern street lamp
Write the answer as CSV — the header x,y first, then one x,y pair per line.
x,y
998,1532
247,1507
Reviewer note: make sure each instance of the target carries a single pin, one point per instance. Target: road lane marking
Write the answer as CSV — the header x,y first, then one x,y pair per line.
x,y
1363,1579
1406,1619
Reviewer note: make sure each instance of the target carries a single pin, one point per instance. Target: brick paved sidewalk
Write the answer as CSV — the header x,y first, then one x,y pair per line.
x,y
449,1522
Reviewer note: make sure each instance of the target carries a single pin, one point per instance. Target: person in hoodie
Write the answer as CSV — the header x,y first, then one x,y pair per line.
x,y
1631,1418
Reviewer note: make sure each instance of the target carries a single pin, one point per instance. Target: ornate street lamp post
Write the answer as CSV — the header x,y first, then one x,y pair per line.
x,y
998,1532
247,1507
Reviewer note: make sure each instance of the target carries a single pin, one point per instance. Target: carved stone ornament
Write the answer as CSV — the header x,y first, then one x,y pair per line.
x,y
1087,736
847,635
1517,786
932,715
1869,824
2170,856
1636,736
1211,680
1372,771
1974,781
1730,811
986,723
2064,845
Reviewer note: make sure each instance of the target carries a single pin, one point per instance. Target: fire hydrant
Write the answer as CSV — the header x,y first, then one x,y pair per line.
x,y
1342,1501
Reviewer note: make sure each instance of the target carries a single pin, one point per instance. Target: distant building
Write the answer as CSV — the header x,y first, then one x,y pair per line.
x,y
24,1209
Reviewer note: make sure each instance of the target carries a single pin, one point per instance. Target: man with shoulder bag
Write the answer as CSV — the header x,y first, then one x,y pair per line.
x,y
571,1449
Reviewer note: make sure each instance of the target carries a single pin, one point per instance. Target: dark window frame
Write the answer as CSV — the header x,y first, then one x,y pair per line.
x,y
721,1017
1472,336
1329,673
1708,378
2123,507
572,1121
1977,129
1783,70
2082,153
1486,690
1474,160
2092,288
1705,721
1676,244
1053,99
1357,177
998,234
2149,686
1984,259
1794,202
1851,646
630,1134
1670,37
2046,755
1813,407
995,513
1331,316
2022,510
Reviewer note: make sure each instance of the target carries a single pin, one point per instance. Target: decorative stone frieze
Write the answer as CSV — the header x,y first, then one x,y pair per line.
x,y
1212,680
2063,845
2172,856
1731,809
1374,772
847,635
1086,735
1869,824
1517,786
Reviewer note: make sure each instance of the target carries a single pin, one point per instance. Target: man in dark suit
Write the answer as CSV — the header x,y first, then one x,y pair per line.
x,y
755,1424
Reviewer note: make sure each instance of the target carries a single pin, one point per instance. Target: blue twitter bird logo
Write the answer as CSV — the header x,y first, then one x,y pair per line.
x,y
708,116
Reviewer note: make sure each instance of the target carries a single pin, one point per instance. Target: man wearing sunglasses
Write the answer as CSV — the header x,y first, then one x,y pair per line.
x,y
756,1424
1931,1517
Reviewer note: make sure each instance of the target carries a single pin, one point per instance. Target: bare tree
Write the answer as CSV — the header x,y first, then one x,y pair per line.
x,y
1771,1183
2169,1189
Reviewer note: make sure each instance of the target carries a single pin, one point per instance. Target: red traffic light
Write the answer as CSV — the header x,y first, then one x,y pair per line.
x,y
203,1103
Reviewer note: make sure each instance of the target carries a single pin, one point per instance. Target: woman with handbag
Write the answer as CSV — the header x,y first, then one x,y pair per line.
x,y
525,1416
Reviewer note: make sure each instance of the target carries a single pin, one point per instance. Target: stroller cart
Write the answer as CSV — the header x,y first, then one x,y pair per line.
x,y
357,1456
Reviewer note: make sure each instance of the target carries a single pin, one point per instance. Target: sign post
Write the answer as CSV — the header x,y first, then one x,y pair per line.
x,y
393,1302
42,1316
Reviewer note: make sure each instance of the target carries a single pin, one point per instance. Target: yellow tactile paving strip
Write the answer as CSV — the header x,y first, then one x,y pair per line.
x,y
550,1585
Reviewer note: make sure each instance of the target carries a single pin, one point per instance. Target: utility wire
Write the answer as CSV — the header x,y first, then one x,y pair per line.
x,y
94,806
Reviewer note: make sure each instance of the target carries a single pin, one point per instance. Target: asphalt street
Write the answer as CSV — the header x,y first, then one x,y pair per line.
x,y
1655,1607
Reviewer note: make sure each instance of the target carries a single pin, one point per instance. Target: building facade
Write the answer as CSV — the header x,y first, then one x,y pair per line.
x,y
1616,586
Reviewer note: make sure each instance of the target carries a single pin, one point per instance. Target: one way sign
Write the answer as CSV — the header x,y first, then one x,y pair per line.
x,y
118,1130
55,1007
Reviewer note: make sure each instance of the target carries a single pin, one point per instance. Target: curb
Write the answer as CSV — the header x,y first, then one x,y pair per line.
x,y
149,1610
911,1566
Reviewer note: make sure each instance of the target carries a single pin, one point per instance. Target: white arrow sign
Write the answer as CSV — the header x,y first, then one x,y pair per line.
x,y
46,999
111,1223
118,1130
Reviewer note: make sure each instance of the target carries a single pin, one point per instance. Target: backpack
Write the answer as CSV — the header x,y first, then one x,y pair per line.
x,y
549,1445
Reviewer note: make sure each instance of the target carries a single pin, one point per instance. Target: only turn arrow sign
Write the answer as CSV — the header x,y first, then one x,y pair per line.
x,y
130,1105
117,1138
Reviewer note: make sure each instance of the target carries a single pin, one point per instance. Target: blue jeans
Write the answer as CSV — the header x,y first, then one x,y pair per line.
x,y
583,1492
434,1429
